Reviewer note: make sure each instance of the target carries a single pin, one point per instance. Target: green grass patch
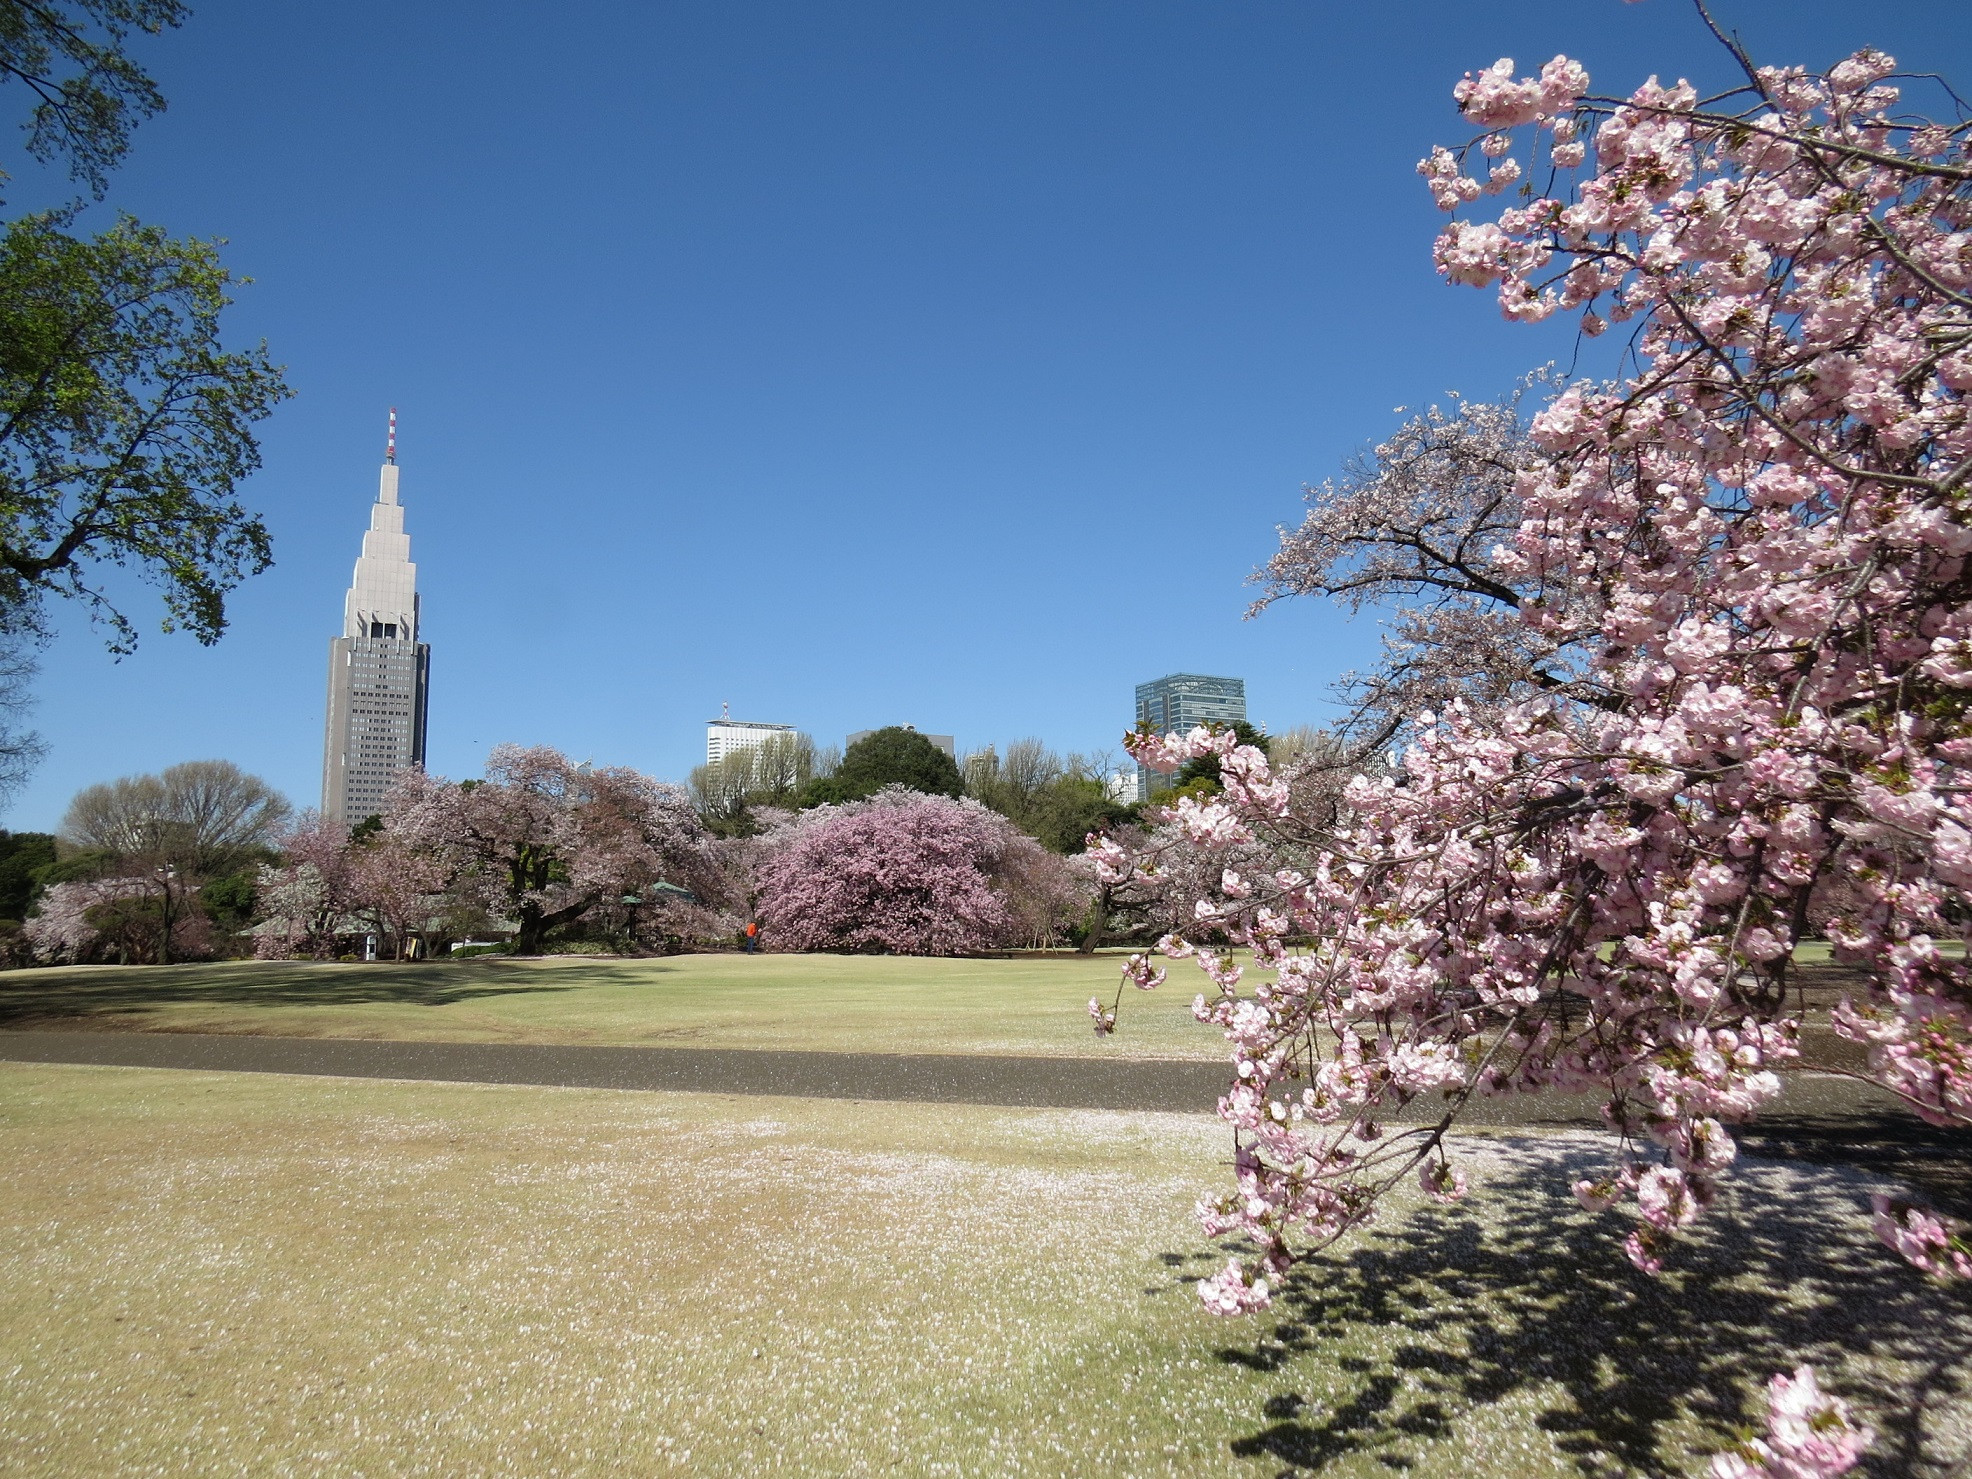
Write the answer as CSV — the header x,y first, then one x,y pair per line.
x,y
209,1273
831,1003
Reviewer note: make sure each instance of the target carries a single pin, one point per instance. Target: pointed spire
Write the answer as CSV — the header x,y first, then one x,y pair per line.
x,y
390,444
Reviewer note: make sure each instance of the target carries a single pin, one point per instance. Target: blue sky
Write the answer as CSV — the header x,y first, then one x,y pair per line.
x,y
947,364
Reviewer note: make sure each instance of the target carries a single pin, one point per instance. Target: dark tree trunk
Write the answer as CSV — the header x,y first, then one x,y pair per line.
x,y
1098,922
534,925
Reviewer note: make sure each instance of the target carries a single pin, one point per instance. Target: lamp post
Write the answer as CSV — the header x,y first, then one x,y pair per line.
x,y
166,876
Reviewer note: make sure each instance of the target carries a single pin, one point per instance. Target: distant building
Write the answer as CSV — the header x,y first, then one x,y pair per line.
x,y
1181,702
944,742
1123,786
379,672
728,736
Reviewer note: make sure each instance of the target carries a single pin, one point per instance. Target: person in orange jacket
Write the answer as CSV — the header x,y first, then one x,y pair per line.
x,y
750,936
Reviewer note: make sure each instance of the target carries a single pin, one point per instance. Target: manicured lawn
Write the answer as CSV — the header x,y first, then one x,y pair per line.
x,y
822,1002
205,1273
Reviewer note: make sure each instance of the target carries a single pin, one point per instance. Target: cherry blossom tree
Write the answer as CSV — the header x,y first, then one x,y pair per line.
x,y
1417,524
125,919
909,874
304,902
542,840
1809,1434
1752,553
394,888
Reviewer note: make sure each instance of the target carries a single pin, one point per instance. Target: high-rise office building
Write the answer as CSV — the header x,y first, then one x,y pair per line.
x,y
1181,702
728,736
379,672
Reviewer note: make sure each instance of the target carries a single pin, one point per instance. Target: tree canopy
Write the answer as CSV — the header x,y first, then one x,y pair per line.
x,y
892,756
88,94
125,425
1055,801
204,818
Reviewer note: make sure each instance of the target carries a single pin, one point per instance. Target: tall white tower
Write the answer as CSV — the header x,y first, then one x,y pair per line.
x,y
379,672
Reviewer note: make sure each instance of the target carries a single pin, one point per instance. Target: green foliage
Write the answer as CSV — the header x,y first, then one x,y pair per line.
x,y
124,426
229,900
1069,810
88,94
892,756
1056,802
824,790
370,827
138,927
74,865
1199,788
22,856
1206,768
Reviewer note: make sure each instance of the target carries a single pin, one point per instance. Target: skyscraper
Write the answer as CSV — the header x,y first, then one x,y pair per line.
x,y
379,672
728,736
1179,703
1183,701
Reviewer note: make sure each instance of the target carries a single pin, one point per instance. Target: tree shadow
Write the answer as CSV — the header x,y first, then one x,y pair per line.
x,y
84,996
1520,1297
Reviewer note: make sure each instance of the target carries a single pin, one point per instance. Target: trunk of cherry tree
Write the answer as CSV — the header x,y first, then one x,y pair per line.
x,y
535,923
1098,923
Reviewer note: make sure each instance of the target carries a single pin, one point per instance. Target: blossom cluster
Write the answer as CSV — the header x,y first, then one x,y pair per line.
x,y
908,874
89,919
1810,1435
1754,551
545,841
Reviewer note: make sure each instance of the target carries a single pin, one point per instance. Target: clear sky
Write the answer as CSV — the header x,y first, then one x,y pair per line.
x,y
947,364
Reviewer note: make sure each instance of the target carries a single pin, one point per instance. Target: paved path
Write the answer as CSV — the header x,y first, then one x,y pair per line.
x,y
1051,1083
958,1078
1821,1118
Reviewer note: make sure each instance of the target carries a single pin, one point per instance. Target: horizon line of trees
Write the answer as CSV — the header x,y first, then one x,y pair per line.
x,y
203,859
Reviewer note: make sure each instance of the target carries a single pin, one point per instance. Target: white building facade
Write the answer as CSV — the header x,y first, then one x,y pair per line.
x,y
728,736
379,672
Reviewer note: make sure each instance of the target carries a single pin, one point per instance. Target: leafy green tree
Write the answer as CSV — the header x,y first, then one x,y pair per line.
x,y
1207,768
21,855
892,756
1069,810
228,900
124,425
88,94
1056,802
73,865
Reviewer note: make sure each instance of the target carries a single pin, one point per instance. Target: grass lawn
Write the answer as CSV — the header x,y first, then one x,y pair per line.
x,y
207,1273
822,1002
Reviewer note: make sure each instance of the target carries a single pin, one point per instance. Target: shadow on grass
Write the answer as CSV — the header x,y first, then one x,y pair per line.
x,y
1519,1297
76,994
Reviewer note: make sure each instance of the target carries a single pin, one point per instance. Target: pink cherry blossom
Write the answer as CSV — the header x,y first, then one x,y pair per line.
x,y
1682,679
1810,1435
911,874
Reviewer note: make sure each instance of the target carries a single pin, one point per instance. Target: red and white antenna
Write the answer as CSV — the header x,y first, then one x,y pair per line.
x,y
390,445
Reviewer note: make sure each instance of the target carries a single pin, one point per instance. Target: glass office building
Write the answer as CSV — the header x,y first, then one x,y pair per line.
x,y
1183,701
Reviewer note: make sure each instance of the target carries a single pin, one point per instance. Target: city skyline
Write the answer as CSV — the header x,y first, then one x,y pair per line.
x,y
957,363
